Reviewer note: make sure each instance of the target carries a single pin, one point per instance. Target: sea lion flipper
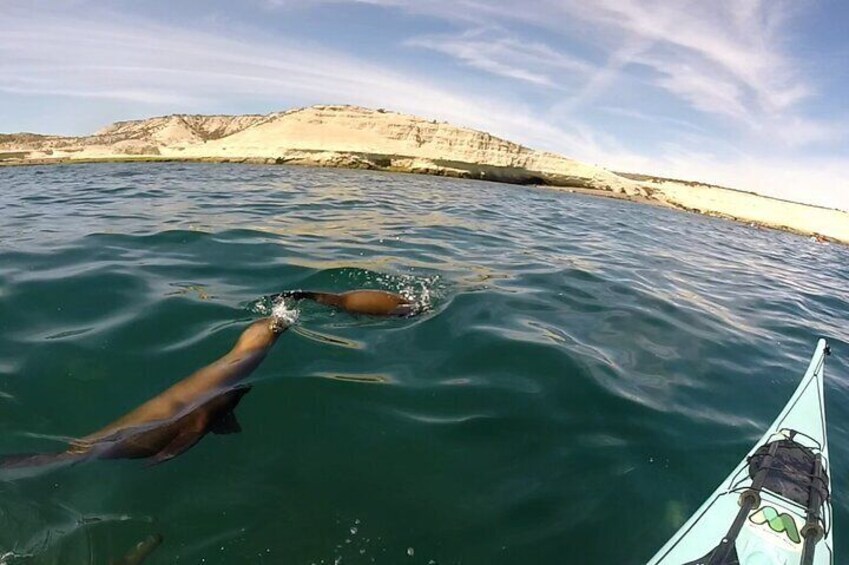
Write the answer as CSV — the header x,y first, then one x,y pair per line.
x,y
24,464
227,424
180,444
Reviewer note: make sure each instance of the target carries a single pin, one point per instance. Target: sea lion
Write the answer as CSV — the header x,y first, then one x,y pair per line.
x,y
369,302
172,422
139,552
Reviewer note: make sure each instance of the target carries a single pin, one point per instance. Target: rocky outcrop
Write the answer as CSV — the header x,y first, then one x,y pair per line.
x,y
336,136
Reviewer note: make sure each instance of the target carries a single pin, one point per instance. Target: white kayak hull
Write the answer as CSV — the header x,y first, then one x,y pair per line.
x,y
772,528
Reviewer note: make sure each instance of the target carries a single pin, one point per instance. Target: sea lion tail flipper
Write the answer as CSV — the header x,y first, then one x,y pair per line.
x,y
184,441
25,464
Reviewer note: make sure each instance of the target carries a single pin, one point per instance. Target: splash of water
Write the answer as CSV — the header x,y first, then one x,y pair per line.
x,y
286,312
421,291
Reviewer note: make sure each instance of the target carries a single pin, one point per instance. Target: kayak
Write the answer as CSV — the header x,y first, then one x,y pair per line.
x,y
775,507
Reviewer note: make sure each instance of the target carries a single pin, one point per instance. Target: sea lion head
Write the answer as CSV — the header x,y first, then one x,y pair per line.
x,y
262,333
278,324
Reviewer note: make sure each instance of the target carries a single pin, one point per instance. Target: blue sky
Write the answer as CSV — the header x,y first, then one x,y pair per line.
x,y
746,93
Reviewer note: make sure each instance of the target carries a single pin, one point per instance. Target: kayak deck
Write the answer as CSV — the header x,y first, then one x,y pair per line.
x,y
777,501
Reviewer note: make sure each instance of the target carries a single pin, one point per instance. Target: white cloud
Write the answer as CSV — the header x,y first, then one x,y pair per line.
x,y
493,51
703,92
725,58
651,118
129,95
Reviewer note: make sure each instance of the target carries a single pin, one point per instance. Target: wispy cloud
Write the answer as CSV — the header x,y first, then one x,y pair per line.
x,y
494,51
724,58
649,118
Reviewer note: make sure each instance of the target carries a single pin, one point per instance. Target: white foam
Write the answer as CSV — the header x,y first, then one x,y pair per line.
x,y
285,312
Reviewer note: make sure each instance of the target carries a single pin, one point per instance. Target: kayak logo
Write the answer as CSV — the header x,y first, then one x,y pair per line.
x,y
778,523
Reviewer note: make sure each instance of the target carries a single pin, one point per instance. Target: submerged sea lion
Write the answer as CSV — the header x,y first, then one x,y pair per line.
x,y
370,302
139,552
175,420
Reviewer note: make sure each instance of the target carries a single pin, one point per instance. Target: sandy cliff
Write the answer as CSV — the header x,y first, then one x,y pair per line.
x,y
354,137
342,136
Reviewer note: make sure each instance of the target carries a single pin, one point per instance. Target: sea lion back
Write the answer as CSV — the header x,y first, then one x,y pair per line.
x,y
376,303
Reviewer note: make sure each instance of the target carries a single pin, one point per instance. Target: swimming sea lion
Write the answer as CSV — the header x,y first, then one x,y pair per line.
x,y
370,302
175,420
139,552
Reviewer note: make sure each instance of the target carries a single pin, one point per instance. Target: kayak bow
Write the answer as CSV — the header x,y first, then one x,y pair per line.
x,y
775,507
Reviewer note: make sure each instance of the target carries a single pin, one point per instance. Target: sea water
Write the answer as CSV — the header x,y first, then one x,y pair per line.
x,y
585,373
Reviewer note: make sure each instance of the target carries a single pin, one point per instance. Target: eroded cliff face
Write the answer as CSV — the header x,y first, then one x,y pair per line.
x,y
177,129
336,136
359,130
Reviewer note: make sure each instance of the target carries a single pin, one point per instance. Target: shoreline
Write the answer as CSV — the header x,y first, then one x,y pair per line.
x,y
353,137
460,174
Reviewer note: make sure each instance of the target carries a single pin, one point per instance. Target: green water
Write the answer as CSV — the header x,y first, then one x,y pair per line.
x,y
587,372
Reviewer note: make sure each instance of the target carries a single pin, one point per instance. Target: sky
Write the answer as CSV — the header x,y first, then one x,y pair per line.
x,y
751,94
